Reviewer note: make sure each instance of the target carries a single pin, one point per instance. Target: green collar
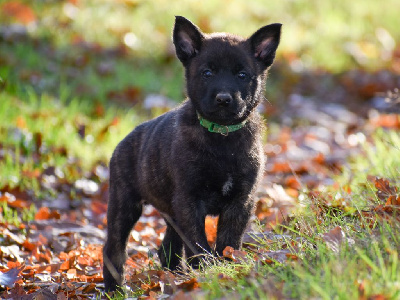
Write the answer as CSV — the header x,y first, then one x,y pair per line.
x,y
221,129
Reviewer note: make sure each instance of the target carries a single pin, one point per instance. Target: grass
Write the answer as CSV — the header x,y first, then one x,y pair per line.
x,y
92,75
42,131
11,216
381,158
361,263
366,263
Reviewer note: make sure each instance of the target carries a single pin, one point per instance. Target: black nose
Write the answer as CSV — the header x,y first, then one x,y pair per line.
x,y
223,99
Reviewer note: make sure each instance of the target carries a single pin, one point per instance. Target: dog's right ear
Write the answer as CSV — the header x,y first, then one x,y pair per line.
x,y
187,39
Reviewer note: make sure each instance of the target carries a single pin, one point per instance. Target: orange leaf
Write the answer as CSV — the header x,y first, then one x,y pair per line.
x,y
189,285
31,174
386,120
28,245
98,207
291,256
42,214
14,202
71,273
292,182
211,229
228,252
267,261
281,167
19,11
378,297
152,286
235,255
65,265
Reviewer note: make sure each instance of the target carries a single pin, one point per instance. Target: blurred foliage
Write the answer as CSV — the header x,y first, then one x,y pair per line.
x,y
335,35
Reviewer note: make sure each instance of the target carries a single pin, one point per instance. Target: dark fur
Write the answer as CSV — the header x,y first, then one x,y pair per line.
x,y
186,172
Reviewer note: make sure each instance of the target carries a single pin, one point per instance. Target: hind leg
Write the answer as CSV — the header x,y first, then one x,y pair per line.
x,y
120,222
124,209
170,252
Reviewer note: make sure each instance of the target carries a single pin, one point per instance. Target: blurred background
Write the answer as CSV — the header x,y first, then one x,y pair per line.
x,y
118,49
77,75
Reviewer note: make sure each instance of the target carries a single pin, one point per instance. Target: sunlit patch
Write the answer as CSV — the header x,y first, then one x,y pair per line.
x,y
131,40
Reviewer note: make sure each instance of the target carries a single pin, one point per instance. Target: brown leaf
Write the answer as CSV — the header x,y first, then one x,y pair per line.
x,y
44,294
228,252
167,282
98,207
16,293
152,286
269,257
361,290
222,276
189,285
334,238
384,188
14,202
11,276
235,255
127,95
393,200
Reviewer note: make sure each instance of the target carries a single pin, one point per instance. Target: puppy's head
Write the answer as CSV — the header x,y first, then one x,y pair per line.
x,y
225,73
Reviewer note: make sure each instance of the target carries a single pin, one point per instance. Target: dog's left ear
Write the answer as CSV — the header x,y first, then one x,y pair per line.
x,y
187,39
264,43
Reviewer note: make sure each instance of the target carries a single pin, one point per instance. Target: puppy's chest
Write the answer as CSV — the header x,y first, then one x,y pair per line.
x,y
220,190
227,185
229,174
224,182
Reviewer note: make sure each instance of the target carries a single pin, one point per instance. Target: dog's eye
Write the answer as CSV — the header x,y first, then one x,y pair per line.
x,y
207,73
242,75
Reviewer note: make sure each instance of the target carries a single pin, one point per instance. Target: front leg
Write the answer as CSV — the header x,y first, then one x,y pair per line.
x,y
190,218
232,223
170,251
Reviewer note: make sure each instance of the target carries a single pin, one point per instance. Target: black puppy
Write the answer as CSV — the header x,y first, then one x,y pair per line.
x,y
203,158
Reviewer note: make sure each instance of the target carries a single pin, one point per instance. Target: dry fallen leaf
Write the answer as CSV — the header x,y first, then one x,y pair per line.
x,y
189,285
235,255
9,278
334,238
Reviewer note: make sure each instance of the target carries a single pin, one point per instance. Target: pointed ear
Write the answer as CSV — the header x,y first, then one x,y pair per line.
x,y
187,39
264,43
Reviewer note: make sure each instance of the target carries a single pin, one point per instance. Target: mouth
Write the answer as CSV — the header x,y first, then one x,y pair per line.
x,y
224,115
